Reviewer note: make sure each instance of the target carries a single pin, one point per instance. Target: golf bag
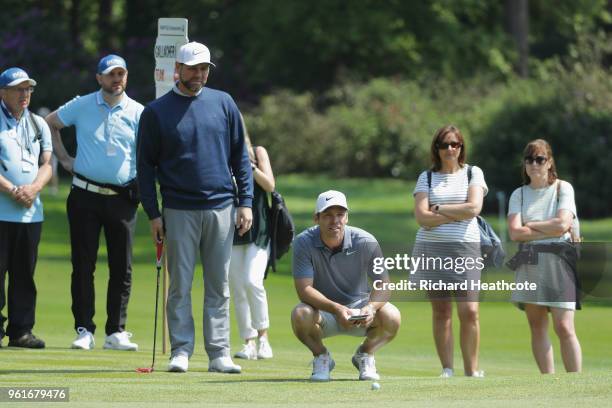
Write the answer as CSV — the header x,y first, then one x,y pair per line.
x,y
282,229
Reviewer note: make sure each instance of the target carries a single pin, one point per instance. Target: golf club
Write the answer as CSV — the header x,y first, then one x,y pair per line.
x,y
158,264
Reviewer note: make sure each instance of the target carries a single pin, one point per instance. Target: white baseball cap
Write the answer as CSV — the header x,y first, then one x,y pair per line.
x,y
194,53
330,198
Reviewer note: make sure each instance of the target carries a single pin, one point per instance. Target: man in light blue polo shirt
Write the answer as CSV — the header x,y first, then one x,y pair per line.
x,y
25,168
103,195
334,275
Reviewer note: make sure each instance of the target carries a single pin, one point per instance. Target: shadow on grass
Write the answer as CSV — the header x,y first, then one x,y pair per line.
x,y
274,380
63,371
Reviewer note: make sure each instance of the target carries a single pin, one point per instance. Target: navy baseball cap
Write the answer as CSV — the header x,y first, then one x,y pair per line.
x,y
110,62
14,76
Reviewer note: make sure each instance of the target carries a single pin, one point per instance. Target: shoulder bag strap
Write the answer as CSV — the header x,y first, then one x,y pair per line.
x,y
429,187
522,187
32,120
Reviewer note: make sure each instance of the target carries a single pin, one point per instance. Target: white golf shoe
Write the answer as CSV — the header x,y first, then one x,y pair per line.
x,y
178,364
322,365
120,341
264,350
447,373
248,351
477,374
224,365
84,340
366,365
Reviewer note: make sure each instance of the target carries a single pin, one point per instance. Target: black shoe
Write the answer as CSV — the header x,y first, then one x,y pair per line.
x,y
28,340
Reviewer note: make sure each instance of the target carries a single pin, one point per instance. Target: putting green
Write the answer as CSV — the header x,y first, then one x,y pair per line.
x,y
408,366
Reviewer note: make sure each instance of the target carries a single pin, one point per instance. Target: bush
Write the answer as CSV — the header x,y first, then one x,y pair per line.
x,y
383,128
574,114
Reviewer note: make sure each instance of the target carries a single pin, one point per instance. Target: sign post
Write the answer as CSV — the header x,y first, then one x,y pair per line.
x,y
171,35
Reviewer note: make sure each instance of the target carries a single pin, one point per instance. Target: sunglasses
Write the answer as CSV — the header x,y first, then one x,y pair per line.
x,y
26,91
444,146
539,160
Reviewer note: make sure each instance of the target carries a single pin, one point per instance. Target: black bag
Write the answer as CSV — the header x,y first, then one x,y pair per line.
x,y
128,191
282,229
491,248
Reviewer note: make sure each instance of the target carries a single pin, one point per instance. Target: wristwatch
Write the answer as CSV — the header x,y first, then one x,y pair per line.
x,y
436,207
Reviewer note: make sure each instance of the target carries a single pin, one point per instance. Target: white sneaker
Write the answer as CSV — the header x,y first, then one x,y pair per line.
x,y
366,365
447,373
477,374
224,365
178,364
265,350
120,341
322,365
84,340
248,351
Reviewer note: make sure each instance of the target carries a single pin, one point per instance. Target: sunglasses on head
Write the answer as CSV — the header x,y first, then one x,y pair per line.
x,y
538,160
444,146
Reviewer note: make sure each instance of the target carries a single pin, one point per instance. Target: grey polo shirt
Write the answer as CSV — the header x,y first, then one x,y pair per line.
x,y
344,276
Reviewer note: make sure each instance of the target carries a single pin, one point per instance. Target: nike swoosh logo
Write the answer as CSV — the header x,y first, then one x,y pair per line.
x,y
350,253
328,198
196,52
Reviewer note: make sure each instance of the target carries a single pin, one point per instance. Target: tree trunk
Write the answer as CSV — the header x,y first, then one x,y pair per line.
x,y
75,26
105,27
517,25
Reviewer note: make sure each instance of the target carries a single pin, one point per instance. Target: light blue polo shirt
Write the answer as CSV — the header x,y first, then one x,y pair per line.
x,y
106,137
19,152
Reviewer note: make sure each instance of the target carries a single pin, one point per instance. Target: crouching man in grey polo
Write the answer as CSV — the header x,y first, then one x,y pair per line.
x,y
331,266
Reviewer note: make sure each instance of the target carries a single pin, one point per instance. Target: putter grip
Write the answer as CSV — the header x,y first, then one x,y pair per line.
x,y
159,246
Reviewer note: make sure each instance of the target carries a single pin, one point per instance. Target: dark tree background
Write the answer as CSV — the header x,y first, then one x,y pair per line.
x,y
357,88
263,45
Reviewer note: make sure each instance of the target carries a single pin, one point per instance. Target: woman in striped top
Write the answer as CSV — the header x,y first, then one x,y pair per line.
x,y
543,212
447,200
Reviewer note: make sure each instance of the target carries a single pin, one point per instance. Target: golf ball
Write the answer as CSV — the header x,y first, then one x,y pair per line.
x,y
375,386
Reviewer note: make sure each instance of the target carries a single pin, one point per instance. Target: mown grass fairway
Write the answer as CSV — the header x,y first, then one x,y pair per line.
x,y
408,366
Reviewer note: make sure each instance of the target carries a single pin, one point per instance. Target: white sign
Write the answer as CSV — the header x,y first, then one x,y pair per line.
x,y
171,35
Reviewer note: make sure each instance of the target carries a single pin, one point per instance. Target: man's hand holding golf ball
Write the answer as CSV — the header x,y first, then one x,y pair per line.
x,y
343,314
368,310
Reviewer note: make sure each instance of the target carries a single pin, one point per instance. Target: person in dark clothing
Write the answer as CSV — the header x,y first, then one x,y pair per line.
x,y
191,140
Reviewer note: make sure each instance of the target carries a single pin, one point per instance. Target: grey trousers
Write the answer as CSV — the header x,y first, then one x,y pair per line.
x,y
210,234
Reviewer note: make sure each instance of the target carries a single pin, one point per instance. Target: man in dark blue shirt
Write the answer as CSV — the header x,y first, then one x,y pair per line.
x,y
191,140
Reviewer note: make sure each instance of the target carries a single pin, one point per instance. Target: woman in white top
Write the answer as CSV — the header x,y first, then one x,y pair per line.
x,y
543,212
446,207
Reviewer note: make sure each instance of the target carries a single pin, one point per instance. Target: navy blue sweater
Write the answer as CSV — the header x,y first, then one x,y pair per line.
x,y
192,145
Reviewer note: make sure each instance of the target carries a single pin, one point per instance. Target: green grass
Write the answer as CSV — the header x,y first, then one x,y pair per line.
x,y
408,365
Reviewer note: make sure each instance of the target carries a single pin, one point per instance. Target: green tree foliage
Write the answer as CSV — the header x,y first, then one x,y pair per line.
x,y
265,45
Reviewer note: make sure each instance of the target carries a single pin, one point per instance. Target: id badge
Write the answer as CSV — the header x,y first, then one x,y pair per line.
x,y
111,150
26,167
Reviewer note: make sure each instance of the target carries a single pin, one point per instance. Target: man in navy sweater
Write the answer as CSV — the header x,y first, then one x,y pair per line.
x,y
191,140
